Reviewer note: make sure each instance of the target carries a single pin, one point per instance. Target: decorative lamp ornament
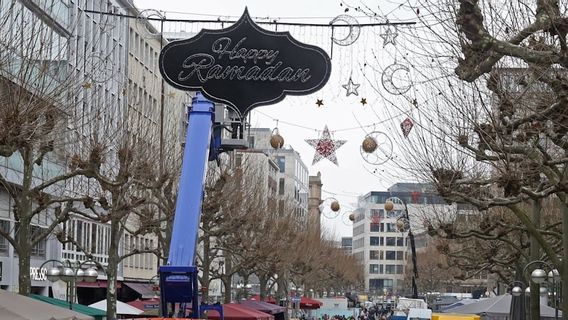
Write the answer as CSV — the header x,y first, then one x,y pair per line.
x,y
276,140
67,274
335,206
53,273
538,276
516,291
389,205
352,216
91,275
80,275
369,144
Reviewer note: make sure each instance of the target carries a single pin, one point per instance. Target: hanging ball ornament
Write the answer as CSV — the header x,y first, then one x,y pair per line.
x,y
352,217
276,140
334,206
369,144
389,205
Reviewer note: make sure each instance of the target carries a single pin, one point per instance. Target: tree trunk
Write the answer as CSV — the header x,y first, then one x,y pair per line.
x,y
112,268
263,279
535,255
228,290
206,265
564,264
24,216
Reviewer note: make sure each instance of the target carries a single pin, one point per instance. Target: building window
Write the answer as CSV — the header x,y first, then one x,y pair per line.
x,y
399,241
391,241
390,227
399,269
374,269
281,161
5,226
390,269
281,186
374,255
375,227
400,255
374,241
390,255
38,250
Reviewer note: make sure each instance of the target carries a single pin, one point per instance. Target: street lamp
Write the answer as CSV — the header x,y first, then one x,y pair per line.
x,y
71,273
403,224
542,274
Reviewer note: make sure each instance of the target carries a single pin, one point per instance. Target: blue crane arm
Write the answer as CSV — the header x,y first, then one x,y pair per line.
x,y
178,279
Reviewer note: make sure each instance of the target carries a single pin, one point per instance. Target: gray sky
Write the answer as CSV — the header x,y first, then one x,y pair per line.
x,y
298,117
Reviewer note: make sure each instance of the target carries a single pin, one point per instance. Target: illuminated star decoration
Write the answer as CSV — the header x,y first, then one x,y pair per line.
x,y
389,37
406,126
325,147
351,87
319,102
363,101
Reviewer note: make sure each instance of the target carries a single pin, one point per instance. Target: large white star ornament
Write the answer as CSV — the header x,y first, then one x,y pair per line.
x,y
389,36
325,147
351,87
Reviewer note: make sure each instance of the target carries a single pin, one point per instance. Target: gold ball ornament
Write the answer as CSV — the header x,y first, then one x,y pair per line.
x,y
352,217
369,145
276,140
400,225
389,205
334,206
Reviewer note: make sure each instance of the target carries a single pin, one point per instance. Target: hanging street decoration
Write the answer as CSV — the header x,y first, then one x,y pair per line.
x,y
325,147
352,33
388,77
406,126
363,101
351,88
244,65
376,148
276,140
389,36
319,102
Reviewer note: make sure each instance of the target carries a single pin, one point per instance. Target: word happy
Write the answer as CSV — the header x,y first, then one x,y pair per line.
x,y
206,66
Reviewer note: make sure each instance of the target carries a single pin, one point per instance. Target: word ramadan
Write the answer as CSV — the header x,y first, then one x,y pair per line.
x,y
205,66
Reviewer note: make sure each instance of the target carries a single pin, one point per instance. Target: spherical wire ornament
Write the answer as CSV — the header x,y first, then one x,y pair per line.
x,y
330,208
347,218
145,21
381,147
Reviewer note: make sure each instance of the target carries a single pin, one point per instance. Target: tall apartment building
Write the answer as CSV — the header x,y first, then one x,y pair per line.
x,y
377,243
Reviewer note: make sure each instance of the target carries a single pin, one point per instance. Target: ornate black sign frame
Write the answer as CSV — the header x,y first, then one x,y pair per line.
x,y
244,65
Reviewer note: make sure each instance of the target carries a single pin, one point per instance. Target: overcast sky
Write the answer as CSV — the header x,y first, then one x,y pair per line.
x,y
298,117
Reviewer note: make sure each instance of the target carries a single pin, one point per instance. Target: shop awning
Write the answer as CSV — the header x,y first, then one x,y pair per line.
x,y
98,314
308,303
15,306
142,288
96,284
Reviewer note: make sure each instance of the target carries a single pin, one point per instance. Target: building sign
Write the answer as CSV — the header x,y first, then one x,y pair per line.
x,y
38,274
244,65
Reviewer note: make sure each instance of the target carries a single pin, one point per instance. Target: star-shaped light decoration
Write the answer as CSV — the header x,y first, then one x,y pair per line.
x,y
363,101
319,102
351,87
325,147
389,37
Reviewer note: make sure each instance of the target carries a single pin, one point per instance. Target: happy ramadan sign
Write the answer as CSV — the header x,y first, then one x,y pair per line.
x,y
244,65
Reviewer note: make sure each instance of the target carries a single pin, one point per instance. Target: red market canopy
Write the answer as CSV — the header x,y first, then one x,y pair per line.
x,y
233,311
263,306
309,303
268,299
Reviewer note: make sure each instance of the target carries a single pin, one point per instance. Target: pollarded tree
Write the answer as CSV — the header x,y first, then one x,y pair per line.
x,y
489,110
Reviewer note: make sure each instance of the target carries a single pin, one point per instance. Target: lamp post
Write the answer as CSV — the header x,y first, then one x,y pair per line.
x,y
517,309
543,273
71,273
403,224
